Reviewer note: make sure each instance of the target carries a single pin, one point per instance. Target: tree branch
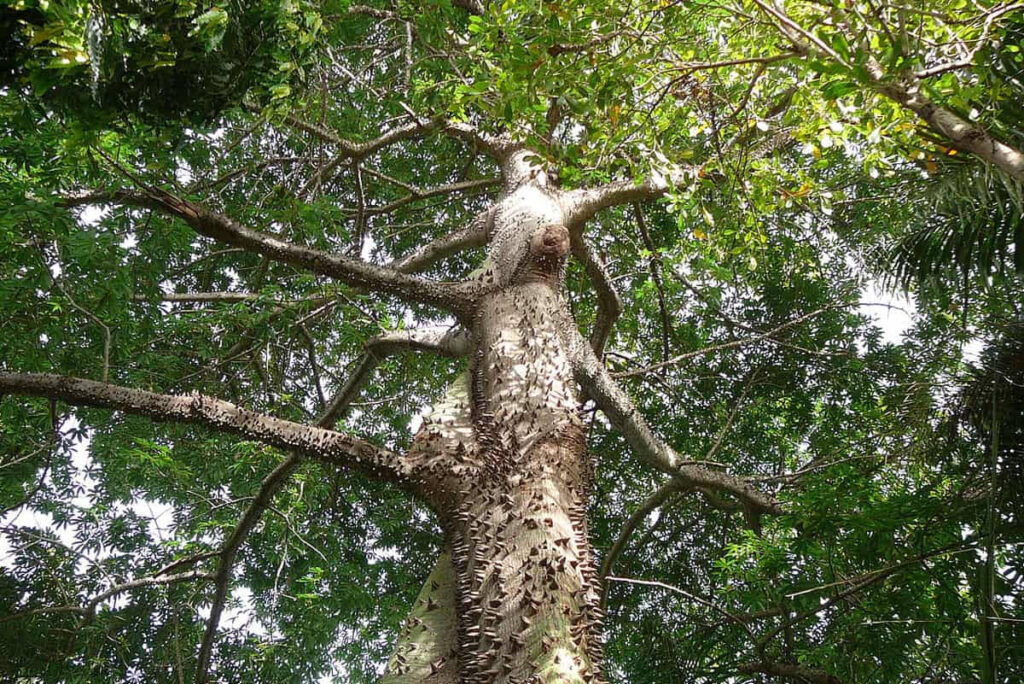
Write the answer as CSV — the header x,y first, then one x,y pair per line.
x,y
654,268
653,502
229,552
88,610
963,134
725,345
452,297
475,234
227,297
448,341
323,445
350,149
421,193
800,673
582,204
609,304
693,597
497,146
616,404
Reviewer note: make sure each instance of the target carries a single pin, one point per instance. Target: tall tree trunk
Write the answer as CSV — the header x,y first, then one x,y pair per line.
x,y
510,477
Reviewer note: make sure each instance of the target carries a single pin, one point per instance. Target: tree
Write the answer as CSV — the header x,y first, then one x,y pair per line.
x,y
575,206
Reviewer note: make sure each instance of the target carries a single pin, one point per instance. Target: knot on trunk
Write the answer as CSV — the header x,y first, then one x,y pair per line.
x,y
550,242
546,254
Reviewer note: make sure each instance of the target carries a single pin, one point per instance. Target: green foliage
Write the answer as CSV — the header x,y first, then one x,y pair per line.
x,y
806,187
100,60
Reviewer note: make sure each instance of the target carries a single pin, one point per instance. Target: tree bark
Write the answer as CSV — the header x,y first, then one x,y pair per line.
x,y
507,471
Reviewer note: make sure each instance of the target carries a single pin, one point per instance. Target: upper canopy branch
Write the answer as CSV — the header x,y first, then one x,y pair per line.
x,y
497,146
450,296
350,149
426,193
907,93
319,443
475,234
88,609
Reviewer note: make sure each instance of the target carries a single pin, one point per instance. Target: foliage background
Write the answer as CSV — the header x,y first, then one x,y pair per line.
x,y
899,462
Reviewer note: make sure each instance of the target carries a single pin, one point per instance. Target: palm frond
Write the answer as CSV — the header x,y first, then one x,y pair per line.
x,y
971,228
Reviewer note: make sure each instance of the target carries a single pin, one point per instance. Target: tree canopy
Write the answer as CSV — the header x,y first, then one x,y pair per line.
x,y
781,172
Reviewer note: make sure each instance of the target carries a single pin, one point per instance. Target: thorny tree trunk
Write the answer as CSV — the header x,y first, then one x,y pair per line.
x,y
501,459
510,477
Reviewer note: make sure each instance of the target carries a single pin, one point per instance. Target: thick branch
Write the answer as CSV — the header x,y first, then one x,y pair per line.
x,y
321,444
616,404
449,296
962,133
473,235
609,304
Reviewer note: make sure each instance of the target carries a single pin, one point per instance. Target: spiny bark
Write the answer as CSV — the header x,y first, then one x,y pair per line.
x,y
426,652
319,443
502,458
508,473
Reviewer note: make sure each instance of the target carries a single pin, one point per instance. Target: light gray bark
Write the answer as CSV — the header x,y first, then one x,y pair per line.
x,y
319,443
